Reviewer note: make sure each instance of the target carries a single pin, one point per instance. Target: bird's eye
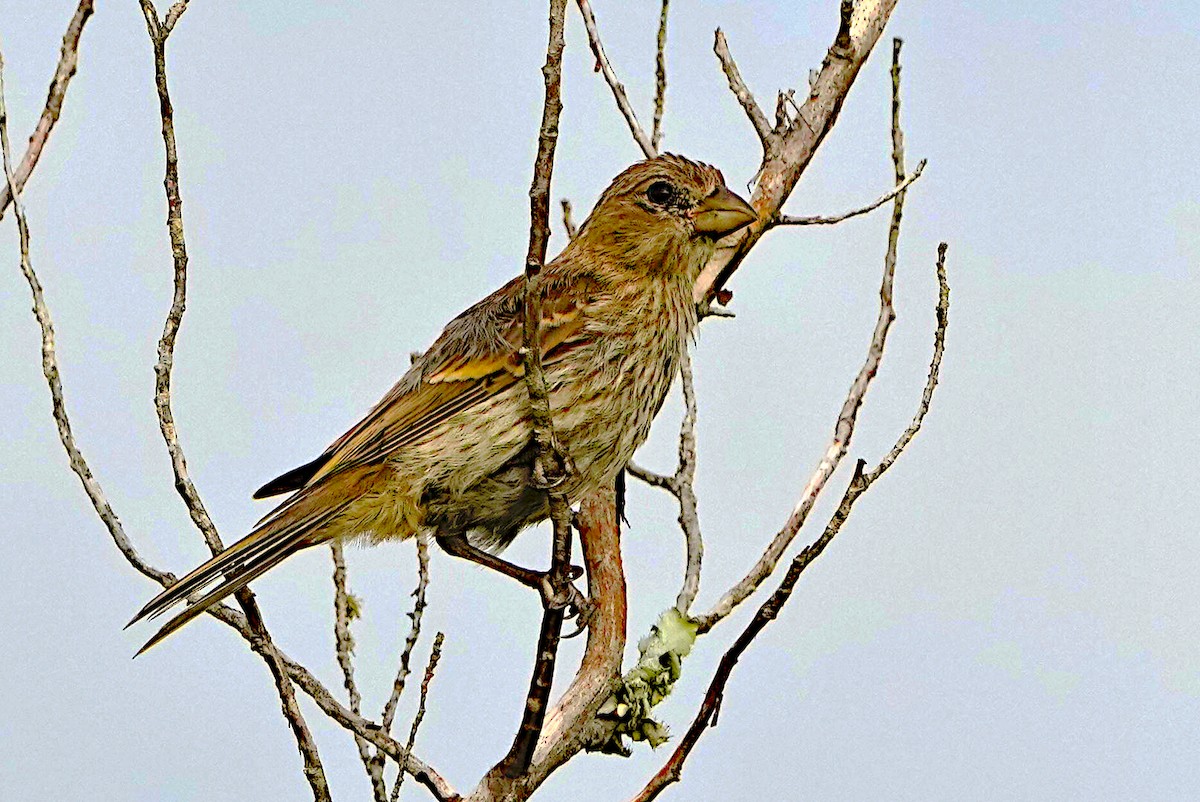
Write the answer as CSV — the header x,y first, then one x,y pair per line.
x,y
660,192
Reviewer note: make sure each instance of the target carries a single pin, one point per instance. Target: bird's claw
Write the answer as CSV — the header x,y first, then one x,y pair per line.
x,y
584,611
568,597
551,477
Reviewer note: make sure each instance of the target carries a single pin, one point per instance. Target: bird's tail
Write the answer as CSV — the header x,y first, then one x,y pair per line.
x,y
278,537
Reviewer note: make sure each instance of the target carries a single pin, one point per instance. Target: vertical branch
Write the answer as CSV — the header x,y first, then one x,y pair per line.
x,y
410,643
660,79
41,312
571,725
550,467
434,656
68,61
414,633
684,486
159,31
345,610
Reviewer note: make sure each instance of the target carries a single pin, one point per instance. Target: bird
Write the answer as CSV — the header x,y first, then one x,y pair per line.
x,y
448,451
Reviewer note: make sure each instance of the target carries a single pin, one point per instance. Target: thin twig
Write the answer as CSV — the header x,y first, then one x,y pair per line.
x,y
550,467
568,219
860,25
314,772
410,643
610,76
935,365
762,127
414,633
862,480
844,429
345,609
660,78
68,61
50,370
434,656
681,485
817,220
354,723
685,477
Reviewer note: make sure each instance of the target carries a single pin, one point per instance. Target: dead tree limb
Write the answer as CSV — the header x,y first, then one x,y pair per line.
x,y
550,467
159,31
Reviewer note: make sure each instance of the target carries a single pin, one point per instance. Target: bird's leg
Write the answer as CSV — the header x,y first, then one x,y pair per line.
x,y
541,581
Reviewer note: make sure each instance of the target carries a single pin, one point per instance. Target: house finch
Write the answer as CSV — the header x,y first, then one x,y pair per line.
x,y
448,450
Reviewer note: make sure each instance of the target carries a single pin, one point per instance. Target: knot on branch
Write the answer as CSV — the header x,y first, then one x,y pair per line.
x,y
648,683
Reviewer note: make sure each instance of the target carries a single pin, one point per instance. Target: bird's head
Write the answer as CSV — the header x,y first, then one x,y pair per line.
x,y
663,215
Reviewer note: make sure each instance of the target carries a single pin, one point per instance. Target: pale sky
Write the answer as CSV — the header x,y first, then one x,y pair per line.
x,y
1009,614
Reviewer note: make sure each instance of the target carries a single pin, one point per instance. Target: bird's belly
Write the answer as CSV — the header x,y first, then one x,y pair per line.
x,y
472,473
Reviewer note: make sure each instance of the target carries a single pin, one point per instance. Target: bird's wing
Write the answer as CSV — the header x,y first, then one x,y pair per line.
x,y
476,357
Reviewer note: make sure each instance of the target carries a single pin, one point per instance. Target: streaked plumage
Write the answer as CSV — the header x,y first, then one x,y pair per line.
x,y
448,448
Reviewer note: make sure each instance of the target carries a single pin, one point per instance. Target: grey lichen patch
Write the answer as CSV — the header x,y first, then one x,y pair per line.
x,y
648,683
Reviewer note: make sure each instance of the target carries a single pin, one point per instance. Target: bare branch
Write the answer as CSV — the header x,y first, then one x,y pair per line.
x,y
314,772
762,127
434,656
41,311
685,476
681,485
414,633
68,60
935,366
651,478
424,773
844,429
660,78
571,724
604,66
550,468
859,484
568,220
862,23
410,643
816,220
345,609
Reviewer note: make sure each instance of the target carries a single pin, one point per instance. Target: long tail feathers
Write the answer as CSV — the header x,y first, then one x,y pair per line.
x,y
234,568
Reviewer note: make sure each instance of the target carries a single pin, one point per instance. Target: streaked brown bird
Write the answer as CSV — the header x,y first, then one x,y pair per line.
x,y
448,450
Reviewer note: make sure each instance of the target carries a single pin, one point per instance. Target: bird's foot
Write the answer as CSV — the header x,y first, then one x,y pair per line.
x,y
549,474
564,595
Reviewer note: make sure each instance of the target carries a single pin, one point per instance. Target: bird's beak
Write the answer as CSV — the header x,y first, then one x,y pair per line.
x,y
722,213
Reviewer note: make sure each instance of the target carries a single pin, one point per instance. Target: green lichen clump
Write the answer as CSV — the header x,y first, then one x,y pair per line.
x,y
648,683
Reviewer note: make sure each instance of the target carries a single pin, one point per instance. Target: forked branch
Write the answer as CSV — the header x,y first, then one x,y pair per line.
x,y
844,428
860,482
159,31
